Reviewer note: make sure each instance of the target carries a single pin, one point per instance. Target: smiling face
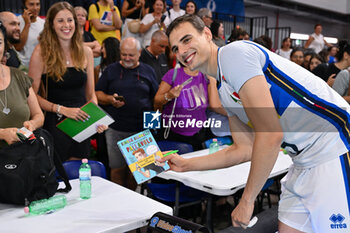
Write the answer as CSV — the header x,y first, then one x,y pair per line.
x,y
64,25
13,30
298,57
158,6
190,8
191,47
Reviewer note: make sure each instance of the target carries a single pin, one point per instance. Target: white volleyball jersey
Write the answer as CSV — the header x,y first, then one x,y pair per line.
x,y
314,118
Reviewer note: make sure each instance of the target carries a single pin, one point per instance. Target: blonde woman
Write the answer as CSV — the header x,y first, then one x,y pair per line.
x,y
65,68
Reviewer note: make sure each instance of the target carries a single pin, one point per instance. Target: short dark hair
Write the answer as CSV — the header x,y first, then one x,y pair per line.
x,y
214,28
196,22
112,48
296,49
344,46
316,25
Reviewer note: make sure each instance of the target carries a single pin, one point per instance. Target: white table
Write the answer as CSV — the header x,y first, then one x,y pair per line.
x,y
222,182
112,208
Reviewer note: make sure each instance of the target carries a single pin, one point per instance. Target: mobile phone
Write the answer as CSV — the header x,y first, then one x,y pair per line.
x,y
31,16
120,98
162,18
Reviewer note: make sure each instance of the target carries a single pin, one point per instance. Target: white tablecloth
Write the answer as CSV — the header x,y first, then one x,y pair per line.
x,y
112,208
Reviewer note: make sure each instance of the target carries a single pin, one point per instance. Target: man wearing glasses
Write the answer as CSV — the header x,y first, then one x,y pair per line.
x,y
206,15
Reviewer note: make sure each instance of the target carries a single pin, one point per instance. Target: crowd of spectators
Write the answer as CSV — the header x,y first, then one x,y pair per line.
x,y
99,52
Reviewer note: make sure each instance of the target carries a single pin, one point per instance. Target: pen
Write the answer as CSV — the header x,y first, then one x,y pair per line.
x,y
170,152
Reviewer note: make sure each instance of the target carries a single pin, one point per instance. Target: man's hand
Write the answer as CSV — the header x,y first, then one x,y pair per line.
x,y
117,103
175,161
27,16
241,215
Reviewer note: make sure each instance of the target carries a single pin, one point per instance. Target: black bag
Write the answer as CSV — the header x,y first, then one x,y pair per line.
x,y
27,170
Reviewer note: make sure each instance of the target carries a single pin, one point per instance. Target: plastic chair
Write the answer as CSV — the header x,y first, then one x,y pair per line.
x,y
72,168
221,141
173,145
167,192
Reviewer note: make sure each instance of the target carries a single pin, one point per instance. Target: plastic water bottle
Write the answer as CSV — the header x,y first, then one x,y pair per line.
x,y
45,205
214,146
85,179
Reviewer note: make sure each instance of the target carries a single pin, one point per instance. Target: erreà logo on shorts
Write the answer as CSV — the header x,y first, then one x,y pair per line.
x,y
337,221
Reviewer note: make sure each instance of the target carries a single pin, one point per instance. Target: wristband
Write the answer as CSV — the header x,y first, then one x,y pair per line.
x,y
58,109
113,9
166,98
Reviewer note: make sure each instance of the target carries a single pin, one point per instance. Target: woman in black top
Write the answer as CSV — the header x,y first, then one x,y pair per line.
x,y
65,66
133,9
328,72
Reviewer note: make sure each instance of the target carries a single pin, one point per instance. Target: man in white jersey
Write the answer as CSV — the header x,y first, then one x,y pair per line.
x,y
285,105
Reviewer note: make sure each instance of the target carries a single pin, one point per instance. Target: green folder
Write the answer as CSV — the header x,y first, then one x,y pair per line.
x,y
80,130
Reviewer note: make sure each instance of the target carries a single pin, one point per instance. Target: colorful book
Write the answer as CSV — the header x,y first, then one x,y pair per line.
x,y
141,152
79,130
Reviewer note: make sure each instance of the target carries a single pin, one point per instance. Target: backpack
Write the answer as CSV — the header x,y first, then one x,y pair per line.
x,y
28,170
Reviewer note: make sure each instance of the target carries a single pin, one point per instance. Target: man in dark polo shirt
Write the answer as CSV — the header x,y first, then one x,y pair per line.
x,y
154,54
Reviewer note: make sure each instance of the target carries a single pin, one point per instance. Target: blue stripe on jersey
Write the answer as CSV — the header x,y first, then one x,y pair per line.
x,y
332,113
344,160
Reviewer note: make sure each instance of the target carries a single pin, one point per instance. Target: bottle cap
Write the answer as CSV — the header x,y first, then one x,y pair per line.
x,y
26,209
215,139
85,160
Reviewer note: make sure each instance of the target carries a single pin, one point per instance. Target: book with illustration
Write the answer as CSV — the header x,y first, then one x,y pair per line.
x,y
141,153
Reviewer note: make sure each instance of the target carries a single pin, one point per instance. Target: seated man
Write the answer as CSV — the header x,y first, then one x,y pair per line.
x,y
136,82
154,54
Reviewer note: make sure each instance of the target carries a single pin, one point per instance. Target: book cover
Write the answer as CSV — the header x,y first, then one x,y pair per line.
x,y
79,130
140,152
